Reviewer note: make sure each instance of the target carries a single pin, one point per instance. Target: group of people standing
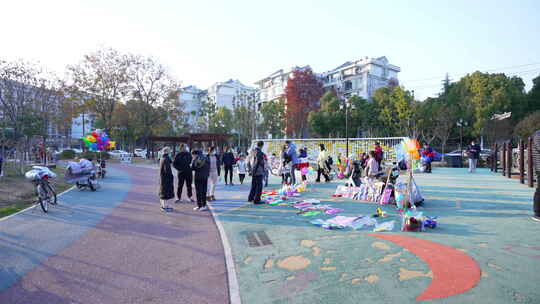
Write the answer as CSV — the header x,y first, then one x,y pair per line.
x,y
202,170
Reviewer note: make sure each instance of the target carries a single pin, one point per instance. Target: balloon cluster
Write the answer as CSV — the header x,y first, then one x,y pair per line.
x,y
412,145
98,140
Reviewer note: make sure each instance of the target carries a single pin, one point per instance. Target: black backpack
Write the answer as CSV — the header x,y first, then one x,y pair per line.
x,y
330,160
200,162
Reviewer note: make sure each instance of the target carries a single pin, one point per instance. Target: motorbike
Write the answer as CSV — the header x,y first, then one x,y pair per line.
x,y
82,178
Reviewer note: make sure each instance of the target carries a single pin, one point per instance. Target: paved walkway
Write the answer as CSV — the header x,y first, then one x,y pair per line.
x,y
485,250
113,246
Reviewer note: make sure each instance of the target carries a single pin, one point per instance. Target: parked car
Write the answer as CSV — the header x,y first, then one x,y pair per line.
x,y
76,150
117,154
140,153
484,153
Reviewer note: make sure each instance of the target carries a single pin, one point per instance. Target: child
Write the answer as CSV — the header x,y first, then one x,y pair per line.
x,y
266,171
241,168
303,163
286,173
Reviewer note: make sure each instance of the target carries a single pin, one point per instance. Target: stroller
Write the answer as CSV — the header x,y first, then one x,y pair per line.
x,y
82,174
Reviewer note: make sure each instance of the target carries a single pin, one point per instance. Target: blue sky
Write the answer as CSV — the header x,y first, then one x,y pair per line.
x,y
206,41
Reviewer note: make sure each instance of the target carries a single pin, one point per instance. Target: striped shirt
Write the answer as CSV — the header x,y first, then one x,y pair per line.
x,y
536,151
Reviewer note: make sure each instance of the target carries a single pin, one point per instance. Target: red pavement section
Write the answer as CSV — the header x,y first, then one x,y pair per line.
x,y
454,272
137,254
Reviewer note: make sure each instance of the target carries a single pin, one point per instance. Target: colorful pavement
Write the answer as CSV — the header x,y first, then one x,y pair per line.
x,y
114,246
485,250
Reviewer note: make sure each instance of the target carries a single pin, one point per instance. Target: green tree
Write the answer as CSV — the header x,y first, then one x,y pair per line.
x,y
533,97
206,112
245,115
221,121
397,111
329,120
273,118
528,125
483,95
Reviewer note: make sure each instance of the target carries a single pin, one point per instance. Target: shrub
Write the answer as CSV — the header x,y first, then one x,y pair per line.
x,y
88,155
67,154
95,155
528,125
103,155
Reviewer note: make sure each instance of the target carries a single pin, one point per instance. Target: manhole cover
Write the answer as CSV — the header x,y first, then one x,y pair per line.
x,y
258,239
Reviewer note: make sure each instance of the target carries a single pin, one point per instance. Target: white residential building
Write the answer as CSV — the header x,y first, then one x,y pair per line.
x,y
273,86
80,128
225,94
191,100
361,77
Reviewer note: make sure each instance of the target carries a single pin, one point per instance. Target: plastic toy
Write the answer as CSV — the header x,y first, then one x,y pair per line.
x,y
430,222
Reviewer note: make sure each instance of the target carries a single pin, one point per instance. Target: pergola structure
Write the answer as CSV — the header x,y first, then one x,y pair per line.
x,y
191,139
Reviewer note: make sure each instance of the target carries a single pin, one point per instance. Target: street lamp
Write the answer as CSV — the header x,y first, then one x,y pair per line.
x,y
345,104
460,124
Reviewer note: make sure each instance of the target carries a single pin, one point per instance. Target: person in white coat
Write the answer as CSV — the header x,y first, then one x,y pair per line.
x,y
213,176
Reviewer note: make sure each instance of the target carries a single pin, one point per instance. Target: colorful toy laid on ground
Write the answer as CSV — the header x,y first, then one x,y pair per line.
x,y
98,141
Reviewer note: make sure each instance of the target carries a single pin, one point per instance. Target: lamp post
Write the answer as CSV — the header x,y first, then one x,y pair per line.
x,y
460,124
345,104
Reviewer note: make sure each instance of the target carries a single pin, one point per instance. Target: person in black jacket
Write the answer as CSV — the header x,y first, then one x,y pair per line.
x,y
182,164
166,180
257,169
201,166
536,160
473,152
228,162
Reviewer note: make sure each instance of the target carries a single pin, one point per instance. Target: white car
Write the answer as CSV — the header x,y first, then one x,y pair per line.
x,y
117,154
76,150
140,153
484,153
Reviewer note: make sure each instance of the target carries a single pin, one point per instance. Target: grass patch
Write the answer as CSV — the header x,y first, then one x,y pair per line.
x,y
17,193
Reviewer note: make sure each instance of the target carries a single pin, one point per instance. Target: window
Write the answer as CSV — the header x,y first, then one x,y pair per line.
x,y
347,85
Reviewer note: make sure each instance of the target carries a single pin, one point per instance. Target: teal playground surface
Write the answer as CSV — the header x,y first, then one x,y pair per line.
x,y
483,219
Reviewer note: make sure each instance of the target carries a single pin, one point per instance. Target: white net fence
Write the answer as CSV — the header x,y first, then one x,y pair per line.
x,y
337,146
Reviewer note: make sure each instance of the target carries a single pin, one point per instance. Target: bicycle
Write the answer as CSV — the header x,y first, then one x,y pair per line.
x,y
45,192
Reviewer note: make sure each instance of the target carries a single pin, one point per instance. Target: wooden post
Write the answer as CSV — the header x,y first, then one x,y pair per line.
x,y
530,166
503,159
509,160
521,162
495,158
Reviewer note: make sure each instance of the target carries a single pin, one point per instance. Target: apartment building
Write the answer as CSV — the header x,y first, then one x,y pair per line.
x,y
361,77
226,94
272,87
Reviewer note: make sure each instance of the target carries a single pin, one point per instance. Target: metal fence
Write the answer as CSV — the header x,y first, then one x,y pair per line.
x,y
337,146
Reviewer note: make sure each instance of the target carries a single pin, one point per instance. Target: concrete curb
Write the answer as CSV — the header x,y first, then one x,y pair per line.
x,y
234,289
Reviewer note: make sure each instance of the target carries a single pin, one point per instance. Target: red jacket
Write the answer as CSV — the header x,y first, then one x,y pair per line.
x,y
378,153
